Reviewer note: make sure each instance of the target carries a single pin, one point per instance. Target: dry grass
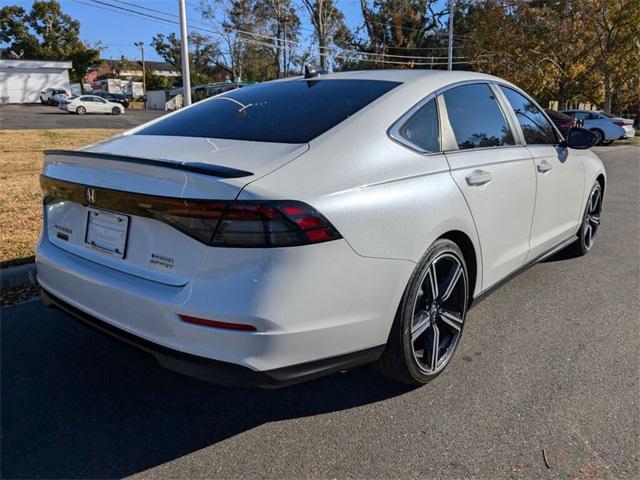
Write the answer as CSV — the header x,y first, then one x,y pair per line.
x,y
20,166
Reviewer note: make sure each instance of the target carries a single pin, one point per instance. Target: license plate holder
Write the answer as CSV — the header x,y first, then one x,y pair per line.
x,y
107,232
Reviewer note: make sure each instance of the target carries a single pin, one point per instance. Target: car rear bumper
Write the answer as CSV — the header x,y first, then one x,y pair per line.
x,y
309,305
221,373
629,131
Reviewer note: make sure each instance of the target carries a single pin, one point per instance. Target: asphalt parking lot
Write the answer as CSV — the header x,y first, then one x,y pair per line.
x,y
549,367
21,117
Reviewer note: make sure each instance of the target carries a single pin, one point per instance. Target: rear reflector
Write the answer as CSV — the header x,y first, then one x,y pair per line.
x,y
216,324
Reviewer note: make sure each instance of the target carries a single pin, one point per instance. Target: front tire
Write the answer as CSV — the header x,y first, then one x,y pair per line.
x,y
429,322
115,111
590,223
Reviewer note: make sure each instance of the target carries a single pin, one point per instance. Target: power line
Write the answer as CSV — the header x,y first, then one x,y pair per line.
x,y
341,53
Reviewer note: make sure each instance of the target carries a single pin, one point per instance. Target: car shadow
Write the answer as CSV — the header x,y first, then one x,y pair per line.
x,y
76,403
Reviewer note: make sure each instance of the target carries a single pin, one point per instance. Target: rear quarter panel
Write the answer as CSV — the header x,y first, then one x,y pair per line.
x,y
386,200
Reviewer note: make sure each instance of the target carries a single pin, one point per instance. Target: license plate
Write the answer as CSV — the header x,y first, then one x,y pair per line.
x,y
107,232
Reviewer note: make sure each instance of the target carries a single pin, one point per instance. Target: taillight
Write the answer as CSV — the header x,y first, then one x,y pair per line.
x,y
272,224
248,224
619,123
218,223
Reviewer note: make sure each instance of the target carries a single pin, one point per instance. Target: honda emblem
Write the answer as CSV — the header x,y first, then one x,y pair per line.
x,y
90,195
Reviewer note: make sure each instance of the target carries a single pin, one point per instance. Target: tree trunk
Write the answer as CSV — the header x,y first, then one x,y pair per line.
x,y
608,94
276,60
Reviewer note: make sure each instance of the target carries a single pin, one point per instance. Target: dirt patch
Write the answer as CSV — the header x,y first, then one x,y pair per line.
x,y
21,154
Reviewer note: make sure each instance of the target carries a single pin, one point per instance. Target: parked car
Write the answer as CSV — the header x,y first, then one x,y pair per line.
x,y
625,123
58,98
120,98
90,104
606,128
47,95
317,224
561,121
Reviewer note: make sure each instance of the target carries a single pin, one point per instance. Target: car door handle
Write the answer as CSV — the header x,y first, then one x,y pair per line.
x,y
544,166
478,178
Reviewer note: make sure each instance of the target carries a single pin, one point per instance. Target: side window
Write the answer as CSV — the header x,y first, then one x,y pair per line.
x,y
476,118
422,129
536,128
86,99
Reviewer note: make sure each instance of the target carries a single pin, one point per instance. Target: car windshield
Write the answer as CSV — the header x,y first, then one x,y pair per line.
x,y
294,111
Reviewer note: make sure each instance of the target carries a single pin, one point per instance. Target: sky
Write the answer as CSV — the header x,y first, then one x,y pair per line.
x,y
117,31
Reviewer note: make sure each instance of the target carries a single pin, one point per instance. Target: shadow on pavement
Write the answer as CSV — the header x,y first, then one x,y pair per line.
x,y
76,403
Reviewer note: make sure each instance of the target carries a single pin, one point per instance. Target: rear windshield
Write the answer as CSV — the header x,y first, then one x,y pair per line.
x,y
283,112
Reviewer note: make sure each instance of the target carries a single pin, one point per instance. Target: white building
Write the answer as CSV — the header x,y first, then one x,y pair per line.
x,y
21,81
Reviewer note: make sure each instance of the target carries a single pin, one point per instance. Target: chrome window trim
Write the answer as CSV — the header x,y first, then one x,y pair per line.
x,y
448,142
394,130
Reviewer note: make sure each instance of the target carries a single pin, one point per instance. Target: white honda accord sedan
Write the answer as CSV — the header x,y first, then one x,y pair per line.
x,y
299,227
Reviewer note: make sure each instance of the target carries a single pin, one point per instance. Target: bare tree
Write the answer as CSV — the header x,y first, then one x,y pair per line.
x,y
327,20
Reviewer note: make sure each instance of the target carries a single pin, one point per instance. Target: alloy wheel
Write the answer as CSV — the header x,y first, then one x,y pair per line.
x,y
592,217
439,311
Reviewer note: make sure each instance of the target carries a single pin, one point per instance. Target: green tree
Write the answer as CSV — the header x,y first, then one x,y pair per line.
x,y
203,55
46,33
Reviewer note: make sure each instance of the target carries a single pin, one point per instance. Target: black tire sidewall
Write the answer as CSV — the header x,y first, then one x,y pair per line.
x,y
600,135
582,247
406,308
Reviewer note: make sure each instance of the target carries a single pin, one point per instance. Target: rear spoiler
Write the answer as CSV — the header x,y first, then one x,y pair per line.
x,y
196,167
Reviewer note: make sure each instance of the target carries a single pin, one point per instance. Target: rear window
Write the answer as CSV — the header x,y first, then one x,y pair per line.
x,y
282,112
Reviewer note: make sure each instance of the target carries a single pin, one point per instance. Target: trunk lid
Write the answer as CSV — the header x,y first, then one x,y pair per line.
x,y
153,166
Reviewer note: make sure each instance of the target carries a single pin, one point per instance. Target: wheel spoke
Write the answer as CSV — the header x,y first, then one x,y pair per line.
x,y
433,281
588,235
452,281
595,219
435,347
595,199
420,326
452,320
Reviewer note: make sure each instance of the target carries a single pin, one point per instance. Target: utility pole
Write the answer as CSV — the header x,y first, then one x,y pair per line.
x,y
184,54
450,54
140,45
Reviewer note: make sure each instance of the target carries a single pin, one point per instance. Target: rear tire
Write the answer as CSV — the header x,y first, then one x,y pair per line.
x,y
599,135
81,110
430,319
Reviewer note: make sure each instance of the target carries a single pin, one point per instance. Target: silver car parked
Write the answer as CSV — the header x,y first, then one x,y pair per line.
x,y
299,227
607,128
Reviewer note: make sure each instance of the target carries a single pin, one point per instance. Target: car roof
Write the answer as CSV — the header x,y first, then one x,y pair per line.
x,y
406,76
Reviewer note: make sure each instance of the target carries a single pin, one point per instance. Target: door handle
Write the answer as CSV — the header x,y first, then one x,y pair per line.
x,y
544,166
478,178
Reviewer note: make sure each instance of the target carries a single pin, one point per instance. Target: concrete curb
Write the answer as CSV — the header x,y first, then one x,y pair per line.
x,y
19,275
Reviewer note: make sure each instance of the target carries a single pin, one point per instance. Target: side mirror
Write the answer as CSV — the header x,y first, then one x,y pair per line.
x,y
579,138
